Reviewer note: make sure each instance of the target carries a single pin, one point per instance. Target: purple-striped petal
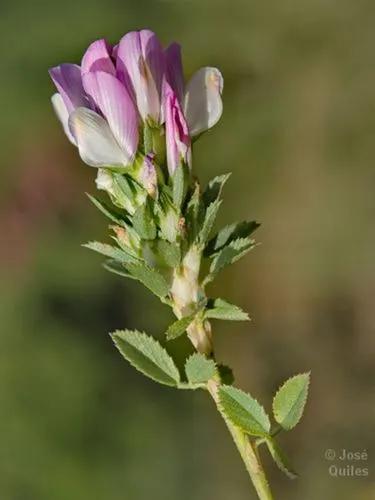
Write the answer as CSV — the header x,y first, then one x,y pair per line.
x,y
96,143
203,105
141,67
176,131
174,71
113,100
68,81
98,58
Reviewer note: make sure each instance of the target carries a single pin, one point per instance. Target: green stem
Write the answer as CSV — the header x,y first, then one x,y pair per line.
x,y
246,449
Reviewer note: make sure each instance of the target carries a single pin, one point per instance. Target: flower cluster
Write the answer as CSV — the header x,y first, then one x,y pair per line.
x,y
128,107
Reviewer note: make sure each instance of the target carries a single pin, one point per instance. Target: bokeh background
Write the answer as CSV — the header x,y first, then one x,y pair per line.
x,y
298,133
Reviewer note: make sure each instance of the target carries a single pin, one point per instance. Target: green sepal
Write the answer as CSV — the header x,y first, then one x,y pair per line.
x,y
110,251
244,411
179,185
280,458
107,210
289,401
179,327
221,309
229,233
214,188
147,356
143,221
150,277
200,369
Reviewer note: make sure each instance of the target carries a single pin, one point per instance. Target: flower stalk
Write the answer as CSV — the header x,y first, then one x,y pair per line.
x,y
131,115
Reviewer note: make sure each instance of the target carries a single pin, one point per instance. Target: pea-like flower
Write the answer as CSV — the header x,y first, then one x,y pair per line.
x,y
107,102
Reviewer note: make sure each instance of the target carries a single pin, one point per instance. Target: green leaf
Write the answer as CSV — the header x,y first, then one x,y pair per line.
x,y
221,309
280,459
290,400
150,277
143,222
214,188
179,327
110,251
147,355
116,267
194,214
199,369
244,411
209,220
228,255
169,252
228,234
106,209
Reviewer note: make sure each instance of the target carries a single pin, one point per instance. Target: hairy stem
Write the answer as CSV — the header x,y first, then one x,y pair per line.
x,y
246,449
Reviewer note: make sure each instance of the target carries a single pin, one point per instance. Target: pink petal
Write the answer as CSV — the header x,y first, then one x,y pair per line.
x,y
141,66
68,81
112,99
97,58
174,71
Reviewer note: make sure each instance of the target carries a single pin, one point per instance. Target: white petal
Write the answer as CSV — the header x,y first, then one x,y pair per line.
x,y
62,114
95,141
203,105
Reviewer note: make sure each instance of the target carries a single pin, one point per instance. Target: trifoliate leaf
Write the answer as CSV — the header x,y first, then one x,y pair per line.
x,y
106,209
214,188
290,399
199,369
110,251
147,355
228,234
221,309
170,253
244,411
116,267
280,459
209,220
179,327
143,222
150,277
228,255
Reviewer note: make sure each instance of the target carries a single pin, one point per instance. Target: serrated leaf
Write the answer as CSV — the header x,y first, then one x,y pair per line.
x,y
150,277
116,267
179,327
169,252
209,220
244,411
110,251
214,188
290,400
147,355
221,309
143,222
199,369
280,459
106,209
228,255
194,214
230,233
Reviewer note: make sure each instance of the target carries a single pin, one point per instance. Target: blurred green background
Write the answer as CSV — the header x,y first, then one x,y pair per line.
x,y
298,129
